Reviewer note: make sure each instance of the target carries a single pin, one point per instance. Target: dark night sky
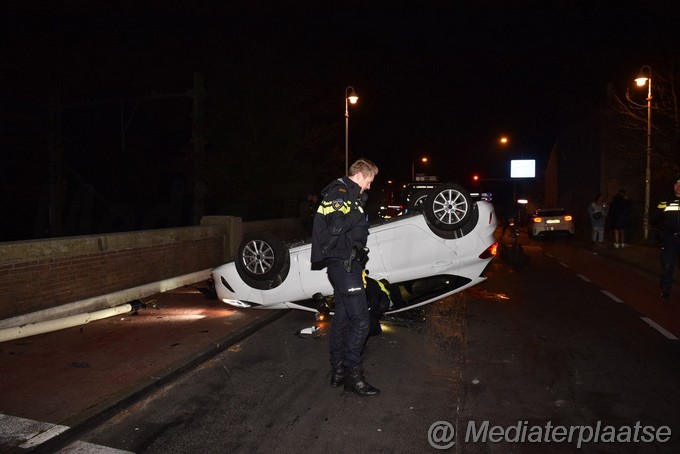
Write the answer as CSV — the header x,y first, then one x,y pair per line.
x,y
442,81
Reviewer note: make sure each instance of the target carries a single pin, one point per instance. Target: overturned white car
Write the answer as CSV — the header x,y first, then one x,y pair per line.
x,y
421,257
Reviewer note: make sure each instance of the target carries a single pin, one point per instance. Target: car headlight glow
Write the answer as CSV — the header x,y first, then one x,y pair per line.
x,y
237,303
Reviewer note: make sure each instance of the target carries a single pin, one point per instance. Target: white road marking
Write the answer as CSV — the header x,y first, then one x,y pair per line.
x,y
15,430
610,295
81,447
649,321
27,434
659,328
550,255
42,437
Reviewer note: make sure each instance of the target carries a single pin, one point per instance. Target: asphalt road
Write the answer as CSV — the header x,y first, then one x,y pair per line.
x,y
539,358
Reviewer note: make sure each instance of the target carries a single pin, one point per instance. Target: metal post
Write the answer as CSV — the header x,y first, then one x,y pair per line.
x,y
350,96
648,172
346,135
198,140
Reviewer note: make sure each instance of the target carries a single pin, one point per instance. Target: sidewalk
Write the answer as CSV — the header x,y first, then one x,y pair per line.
x,y
74,376
643,258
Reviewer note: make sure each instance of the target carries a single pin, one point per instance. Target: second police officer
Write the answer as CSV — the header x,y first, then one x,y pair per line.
x,y
668,219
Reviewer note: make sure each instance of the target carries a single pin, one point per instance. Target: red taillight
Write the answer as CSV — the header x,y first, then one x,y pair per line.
x,y
490,252
567,218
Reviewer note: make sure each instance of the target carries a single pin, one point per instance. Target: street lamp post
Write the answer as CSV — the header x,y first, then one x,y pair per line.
x,y
645,77
350,97
413,168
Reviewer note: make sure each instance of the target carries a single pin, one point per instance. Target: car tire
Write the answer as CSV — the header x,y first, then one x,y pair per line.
x,y
450,211
261,257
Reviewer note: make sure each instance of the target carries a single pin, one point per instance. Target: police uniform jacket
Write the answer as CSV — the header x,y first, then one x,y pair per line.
x,y
339,222
669,212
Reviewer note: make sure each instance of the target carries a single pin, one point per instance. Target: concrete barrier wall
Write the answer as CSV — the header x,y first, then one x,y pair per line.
x,y
37,276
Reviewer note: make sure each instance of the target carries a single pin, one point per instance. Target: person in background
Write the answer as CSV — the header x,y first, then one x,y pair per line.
x,y
339,237
597,212
667,216
619,211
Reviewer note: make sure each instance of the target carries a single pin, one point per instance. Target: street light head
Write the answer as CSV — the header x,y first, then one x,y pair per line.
x,y
644,76
352,96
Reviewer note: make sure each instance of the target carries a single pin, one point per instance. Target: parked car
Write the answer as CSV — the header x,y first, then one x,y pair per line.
x,y
550,221
421,258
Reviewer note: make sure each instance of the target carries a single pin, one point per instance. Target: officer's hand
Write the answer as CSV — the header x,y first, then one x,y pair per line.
x,y
362,199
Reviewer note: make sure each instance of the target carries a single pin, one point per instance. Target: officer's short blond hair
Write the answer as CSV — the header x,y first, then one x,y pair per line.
x,y
363,166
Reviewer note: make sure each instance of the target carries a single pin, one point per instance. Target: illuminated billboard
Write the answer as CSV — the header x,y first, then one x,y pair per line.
x,y
523,168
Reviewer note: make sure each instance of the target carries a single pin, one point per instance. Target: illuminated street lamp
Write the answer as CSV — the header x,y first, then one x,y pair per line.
x,y
645,77
351,96
413,167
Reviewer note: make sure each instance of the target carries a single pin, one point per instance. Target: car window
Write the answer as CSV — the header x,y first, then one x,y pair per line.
x,y
410,293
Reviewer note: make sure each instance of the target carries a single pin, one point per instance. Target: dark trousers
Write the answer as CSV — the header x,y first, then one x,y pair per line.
x,y
669,257
350,324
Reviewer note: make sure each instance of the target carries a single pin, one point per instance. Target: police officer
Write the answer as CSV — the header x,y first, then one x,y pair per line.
x,y
668,216
339,237
379,302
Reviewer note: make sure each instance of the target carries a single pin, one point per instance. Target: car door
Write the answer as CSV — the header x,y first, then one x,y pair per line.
x,y
409,250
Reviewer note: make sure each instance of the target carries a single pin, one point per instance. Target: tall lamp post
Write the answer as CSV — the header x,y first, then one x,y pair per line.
x,y
645,77
504,141
350,97
413,168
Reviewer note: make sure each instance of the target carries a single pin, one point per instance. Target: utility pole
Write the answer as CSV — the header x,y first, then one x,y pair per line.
x,y
198,140
55,215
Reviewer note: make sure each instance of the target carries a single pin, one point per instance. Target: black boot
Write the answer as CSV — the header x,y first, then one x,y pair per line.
x,y
356,384
338,375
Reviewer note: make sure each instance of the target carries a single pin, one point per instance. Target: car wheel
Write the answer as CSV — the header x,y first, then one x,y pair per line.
x,y
261,257
450,211
416,204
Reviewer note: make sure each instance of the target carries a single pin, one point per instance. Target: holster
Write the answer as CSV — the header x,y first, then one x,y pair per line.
x,y
358,255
